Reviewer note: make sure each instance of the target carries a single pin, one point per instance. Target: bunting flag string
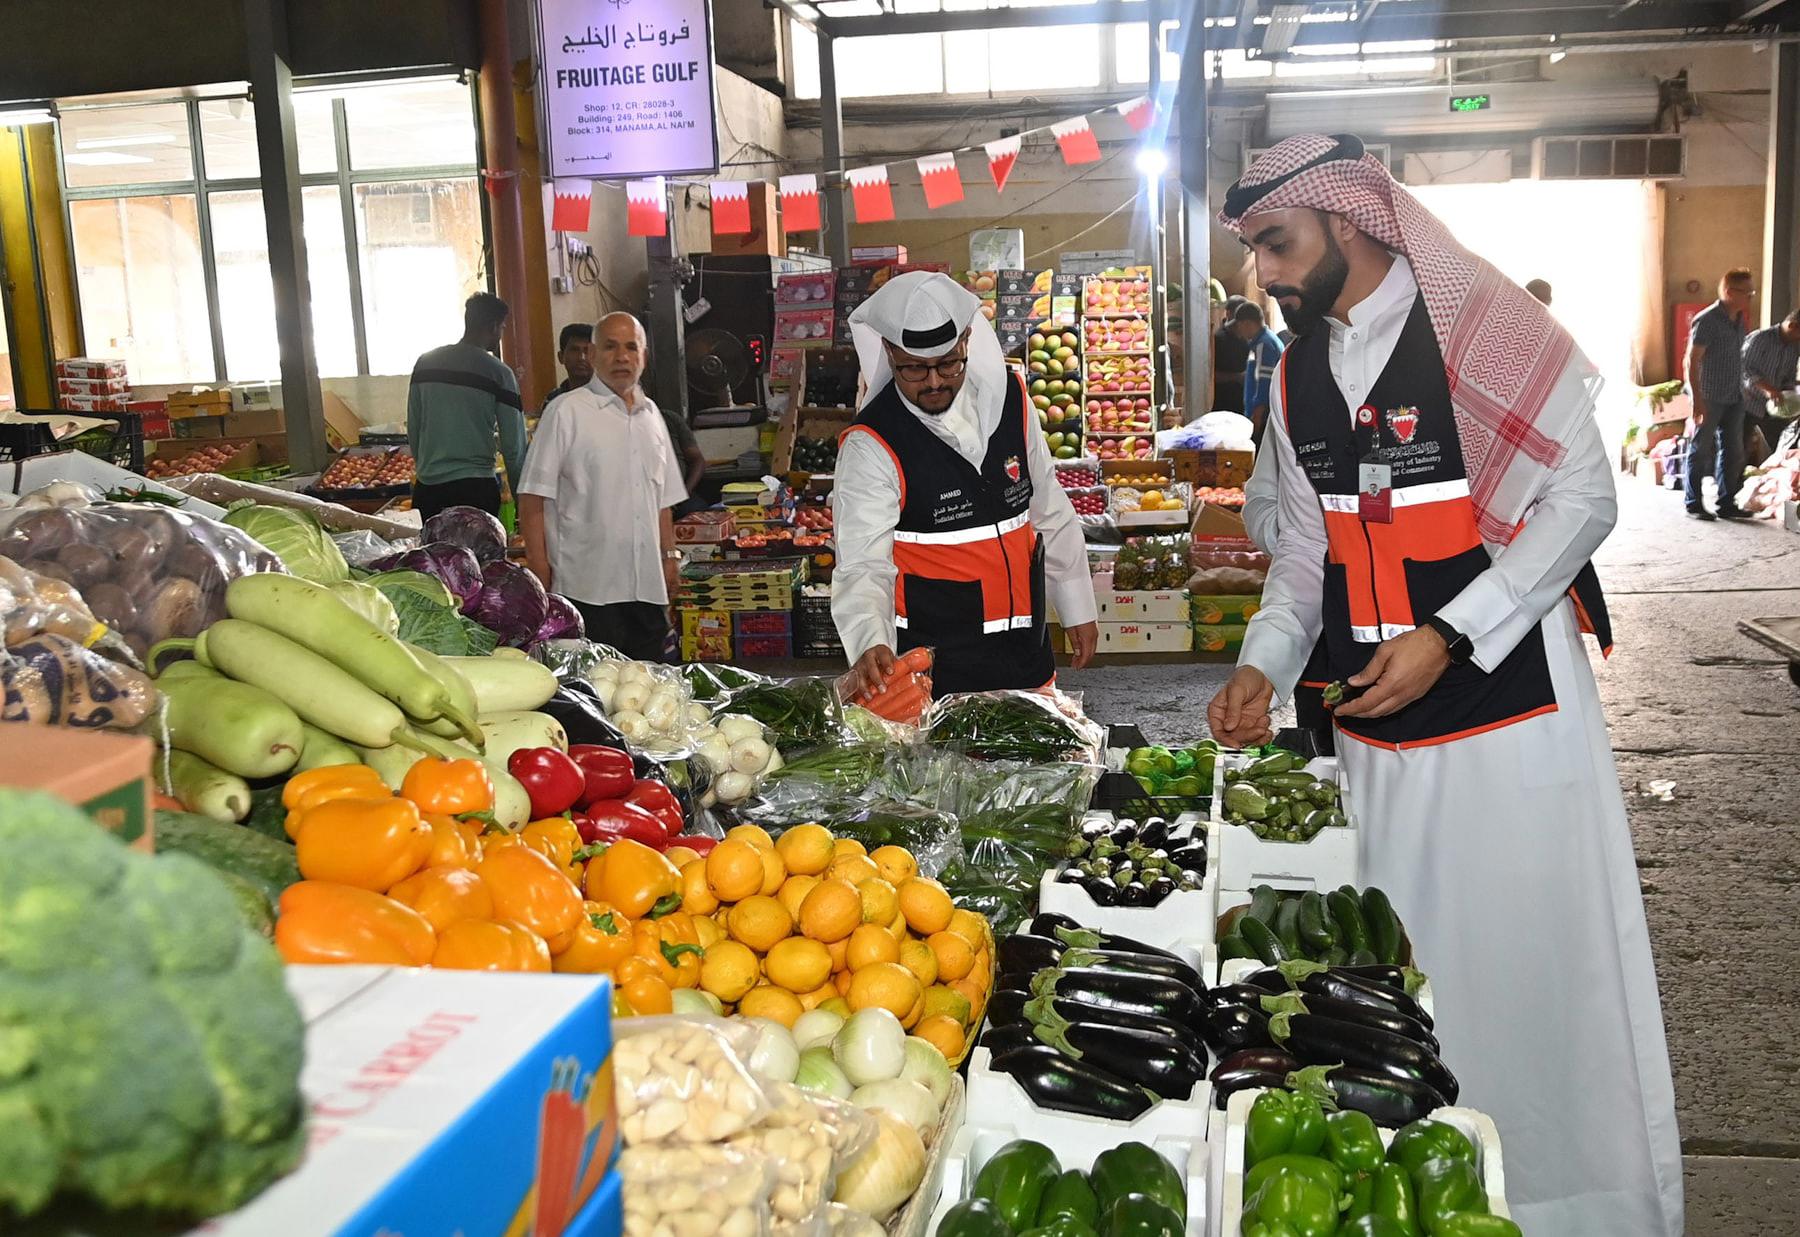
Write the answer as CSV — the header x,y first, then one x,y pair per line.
x,y
800,203
730,207
872,194
572,206
1002,153
1138,113
940,180
647,207
1076,138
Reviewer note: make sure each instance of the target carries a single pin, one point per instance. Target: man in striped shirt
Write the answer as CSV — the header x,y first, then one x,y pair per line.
x,y
1716,382
1771,357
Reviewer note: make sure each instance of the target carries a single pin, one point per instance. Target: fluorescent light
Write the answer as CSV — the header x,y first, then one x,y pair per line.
x,y
1556,57
104,158
328,86
1152,161
12,117
130,139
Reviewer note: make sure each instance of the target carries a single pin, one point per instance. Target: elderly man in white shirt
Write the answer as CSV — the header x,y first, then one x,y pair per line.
x,y
596,499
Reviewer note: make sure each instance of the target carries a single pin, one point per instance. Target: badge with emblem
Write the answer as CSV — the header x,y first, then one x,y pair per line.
x,y
1365,415
1012,468
1404,422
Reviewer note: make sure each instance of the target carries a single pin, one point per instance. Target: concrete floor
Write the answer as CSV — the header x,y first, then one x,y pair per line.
x,y
1691,701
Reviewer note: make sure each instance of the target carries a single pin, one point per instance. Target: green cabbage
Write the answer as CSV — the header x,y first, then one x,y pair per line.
x,y
294,537
369,602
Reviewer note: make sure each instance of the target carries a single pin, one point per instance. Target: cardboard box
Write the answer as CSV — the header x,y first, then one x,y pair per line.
x,y
706,526
91,386
90,367
104,773
807,289
1218,638
415,1076
245,454
866,255
1225,610
199,403
1143,605
1212,467
271,449
706,648
1138,637
696,623
116,401
343,428
198,427
254,424
256,397
1218,522
803,326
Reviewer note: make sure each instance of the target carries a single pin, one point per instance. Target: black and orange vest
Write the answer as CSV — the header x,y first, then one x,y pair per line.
x,y
970,568
1384,579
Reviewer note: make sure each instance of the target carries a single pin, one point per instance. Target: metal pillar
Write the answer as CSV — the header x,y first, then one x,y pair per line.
x,y
500,147
278,160
831,129
1196,215
1157,137
667,328
1781,220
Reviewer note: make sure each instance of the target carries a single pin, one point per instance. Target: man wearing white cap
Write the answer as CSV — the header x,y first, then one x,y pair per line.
x,y
951,529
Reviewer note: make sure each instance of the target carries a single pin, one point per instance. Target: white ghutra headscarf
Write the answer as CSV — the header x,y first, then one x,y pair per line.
x,y
924,313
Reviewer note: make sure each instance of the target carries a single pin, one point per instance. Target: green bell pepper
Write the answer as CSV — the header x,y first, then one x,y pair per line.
x,y
1133,1168
974,1217
1370,1226
1472,1224
1015,1179
1394,1199
1446,1188
1069,1195
1062,1226
1323,1171
1361,1200
1297,1200
1352,1142
1428,1140
1309,1124
1269,1130
1258,1228
1139,1215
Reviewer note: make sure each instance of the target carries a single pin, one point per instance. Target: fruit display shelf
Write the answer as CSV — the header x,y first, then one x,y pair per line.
x,y
1113,297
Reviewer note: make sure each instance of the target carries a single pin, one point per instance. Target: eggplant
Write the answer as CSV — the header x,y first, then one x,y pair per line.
x,y
1153,833
1227,1085
1381,973
1137,895
1007,1004
1335,983
1160,888
1096,827
1025,952
1387,1100
1164,1065
1368,1016
1102,891
1004,1037
1191,858
1064,1084
1053,1009
1070,876
1070,932
1145,994
1318,1039
1249,1068
1230,1027
1235,994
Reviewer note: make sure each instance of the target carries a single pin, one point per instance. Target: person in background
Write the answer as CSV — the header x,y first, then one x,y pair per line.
x,y
575,353
1540,289
462,401
1771,358
1229,354
1715,374
693,459
1259,366
597,496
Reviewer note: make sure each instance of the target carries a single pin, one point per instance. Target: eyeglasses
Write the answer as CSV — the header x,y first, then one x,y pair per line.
x,y
950,367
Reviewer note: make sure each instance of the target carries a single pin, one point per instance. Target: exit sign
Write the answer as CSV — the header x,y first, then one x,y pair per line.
x,y
1470,102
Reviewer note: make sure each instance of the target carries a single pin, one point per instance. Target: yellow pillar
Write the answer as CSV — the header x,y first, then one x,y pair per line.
x,y
538,340
38,270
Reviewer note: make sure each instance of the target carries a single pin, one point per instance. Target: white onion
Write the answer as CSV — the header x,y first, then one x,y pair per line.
x,y
925,1065
606,690
775,1055
662,712
604,672
819,1072
634,672
735,726
775,761
717,752
632,724
887,1172
696,714
732,787
909,1101
632,695
815,1027
871,1047
749,755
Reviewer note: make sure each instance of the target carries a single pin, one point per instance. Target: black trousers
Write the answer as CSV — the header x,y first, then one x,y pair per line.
x,y
638,629
483,492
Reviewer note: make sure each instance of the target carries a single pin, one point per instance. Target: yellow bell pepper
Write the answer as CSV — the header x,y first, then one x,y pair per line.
x,y
449,787
634,878
673,945
601,939
308,790
369,843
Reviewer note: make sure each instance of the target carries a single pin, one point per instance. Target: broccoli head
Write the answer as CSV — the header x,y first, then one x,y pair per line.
x,y
149,1051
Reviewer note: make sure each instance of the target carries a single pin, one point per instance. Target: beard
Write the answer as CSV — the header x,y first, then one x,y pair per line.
x,y
1317,293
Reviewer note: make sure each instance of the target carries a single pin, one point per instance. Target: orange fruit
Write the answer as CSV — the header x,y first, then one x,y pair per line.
x,y
853,868
880,901
915,1013
831,911
734,870
768,1001
760,922
925,904
798,964
774,871
916,956
841,981
977,997
696,895
818,996
954,957
943,1033
886,985
947,1001
897,926
840,954
970,926
729,971
707,931
869,944
681,856
793,892
895,863
806,849
847,846
756,835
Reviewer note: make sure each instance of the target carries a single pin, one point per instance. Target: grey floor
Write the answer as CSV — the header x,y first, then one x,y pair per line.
x,y
1693,702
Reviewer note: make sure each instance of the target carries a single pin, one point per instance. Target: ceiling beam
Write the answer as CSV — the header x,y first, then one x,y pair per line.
x,y
1754,10
1102,13
794,14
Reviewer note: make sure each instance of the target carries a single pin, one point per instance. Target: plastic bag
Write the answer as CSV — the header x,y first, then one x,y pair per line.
x,y
704,1189
362,547
807,1138
573,658
31,604
932,836
51,680
800,714
149,573
711,682
684,1080
1034,727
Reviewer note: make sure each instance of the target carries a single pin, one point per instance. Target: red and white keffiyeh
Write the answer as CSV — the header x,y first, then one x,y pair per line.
x,y
1518,383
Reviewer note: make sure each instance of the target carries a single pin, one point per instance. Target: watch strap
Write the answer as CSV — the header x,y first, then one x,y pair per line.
x,y
1459,646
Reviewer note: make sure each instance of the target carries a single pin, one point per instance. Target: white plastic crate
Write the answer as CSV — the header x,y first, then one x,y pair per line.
x,y
1227,1146
1331,859
1186,915
976,1144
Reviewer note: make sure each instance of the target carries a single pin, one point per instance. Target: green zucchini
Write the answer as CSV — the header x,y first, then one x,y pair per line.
x,y
267,865
1351,929
1384,925
1262,940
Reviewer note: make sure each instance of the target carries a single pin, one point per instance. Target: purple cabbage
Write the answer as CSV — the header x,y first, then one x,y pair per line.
x,y
453,564
563,620
471,528
512,604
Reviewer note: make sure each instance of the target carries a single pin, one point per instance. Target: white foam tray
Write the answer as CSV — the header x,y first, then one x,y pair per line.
x,y
1227,1154
1331,859
1187,916
976,1144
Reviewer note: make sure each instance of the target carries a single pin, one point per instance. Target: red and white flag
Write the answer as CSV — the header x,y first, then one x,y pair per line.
x,y
573,203
943,185
1138,112
873,195
1002,153
1079,145
646,207
730,207
800,203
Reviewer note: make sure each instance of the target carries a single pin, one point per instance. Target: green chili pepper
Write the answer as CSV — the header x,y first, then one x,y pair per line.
x,y
1428,1140
1297,1200
1352,1143
1269,1131
1446,1188
1394,1200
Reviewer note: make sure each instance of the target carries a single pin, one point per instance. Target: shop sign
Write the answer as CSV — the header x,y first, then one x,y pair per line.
x,y
628,88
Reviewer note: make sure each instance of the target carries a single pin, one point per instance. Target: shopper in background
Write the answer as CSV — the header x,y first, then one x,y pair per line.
x,y
575,353
1450,594
1229,354
1715,373
597,496
1540,290
1771,359
464,401
1259,366
952,532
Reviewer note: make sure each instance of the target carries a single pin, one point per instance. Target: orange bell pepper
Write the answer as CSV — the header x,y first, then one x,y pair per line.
x,y
308,790
450,846
445,895
601,940
370,843
324,922
490,945
449,787
643,988
530,890
557,839
634,878
671,943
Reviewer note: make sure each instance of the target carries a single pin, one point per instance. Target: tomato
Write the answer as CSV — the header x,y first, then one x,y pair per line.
x,y
660,802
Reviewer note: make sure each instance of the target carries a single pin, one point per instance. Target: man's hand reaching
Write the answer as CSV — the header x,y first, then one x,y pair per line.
x,y
1402,670
870,670
1239,714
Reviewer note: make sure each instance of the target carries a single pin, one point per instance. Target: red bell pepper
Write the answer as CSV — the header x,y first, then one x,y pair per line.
x,y
658,800
612,819
699,843
607,772
553,781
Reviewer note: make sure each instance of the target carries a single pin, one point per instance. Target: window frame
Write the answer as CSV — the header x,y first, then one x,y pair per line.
x,y
344,179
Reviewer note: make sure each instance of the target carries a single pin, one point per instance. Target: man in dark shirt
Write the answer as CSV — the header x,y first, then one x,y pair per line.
x,y
1715,375
1771,358
462,402
1229,354
1259,366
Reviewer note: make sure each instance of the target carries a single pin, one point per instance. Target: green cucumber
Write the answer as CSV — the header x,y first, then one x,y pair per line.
x,y
267,865
1315,933
1384,925
1263,903
1351,929
1235,946
1287,926
1262,940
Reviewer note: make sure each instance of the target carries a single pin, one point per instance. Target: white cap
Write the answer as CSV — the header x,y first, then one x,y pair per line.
x,y
922,313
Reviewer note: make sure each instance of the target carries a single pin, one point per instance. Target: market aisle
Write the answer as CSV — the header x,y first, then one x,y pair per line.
x,y
1691,701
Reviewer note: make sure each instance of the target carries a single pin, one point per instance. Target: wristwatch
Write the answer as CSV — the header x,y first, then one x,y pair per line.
x,y
1459,646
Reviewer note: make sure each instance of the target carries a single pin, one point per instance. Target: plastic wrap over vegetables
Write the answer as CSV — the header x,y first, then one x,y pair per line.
x,y
471,528
512,603
459,569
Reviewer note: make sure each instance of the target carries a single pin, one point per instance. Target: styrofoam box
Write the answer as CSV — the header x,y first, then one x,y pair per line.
x,y
976,1144
1187,915
1246,861
1227,1145
1231,970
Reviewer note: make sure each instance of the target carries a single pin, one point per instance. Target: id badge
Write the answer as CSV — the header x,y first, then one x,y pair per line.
x,y
1375,493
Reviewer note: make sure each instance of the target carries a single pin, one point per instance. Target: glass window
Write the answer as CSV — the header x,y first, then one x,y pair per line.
x,y
317,133
966,62
1045,57
6,366
228,135
246,291
410,125
138,145
420,246
143,290
1131,53
805,47
891,64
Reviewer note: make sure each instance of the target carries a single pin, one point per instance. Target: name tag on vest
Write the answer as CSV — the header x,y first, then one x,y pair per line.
x,y
1375,492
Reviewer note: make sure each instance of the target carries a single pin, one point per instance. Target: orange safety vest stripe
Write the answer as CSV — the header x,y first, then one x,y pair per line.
x,y
1001,565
